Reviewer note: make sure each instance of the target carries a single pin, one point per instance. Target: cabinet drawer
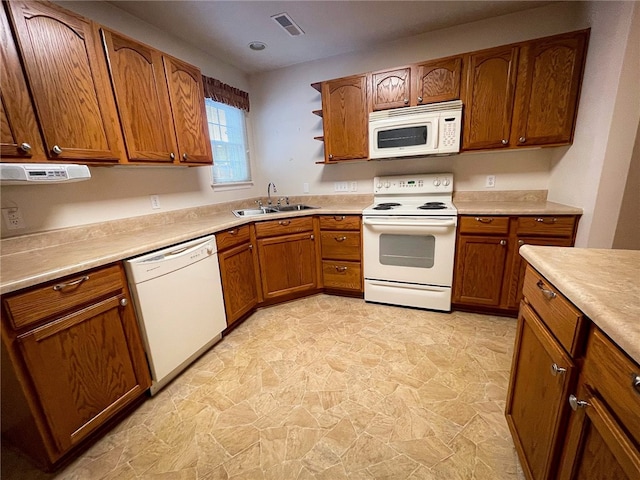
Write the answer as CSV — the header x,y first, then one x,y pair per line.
x,y
340,222
343,275
283,226
62,295
340,245
564,320
484,225
613,375
232,237
548,226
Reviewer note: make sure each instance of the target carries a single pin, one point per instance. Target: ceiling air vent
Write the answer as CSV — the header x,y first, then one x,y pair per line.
x,y
286,22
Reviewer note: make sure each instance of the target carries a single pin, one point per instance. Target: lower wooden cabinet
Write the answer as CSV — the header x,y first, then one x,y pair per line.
x,y
341,245
238,263
489,271
71,368
573,405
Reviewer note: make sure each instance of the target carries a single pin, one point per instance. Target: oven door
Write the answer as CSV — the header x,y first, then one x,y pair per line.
x,y
410,249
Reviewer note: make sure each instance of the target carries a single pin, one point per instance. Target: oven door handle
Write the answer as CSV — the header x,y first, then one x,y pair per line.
x,y
415,223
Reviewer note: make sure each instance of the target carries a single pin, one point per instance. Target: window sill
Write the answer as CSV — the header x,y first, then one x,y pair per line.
x,y
223,187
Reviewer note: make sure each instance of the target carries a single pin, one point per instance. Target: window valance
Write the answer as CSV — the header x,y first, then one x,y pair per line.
x,y
223,93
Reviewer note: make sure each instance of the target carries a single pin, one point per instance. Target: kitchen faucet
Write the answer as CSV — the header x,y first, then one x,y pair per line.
x,y
271,184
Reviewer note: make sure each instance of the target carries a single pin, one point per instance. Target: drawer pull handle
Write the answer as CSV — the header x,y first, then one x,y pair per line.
x,y
233,232
250,247
576,404
636,383
340,269
556,370
484,220
123,302
546,220
312,237
503,242
546,292
284,222
60,286
338,218
340,239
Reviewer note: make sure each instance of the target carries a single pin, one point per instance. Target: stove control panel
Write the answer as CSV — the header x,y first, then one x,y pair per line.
x,y
414,184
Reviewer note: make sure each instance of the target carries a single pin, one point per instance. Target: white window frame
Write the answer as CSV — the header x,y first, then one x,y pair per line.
x,y
240,184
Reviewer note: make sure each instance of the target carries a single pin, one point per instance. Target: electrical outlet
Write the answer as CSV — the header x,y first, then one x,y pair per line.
x,y
354,186
155,201
341,186
490,182
13,218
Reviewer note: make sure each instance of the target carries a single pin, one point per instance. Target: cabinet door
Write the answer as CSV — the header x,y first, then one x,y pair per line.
x,y
85,368
597,448
551,74
238,281
438,80
391,88
19,135
346,118
69,83
189,114
480,267
287,264
536,402
137,75
520,265
488,99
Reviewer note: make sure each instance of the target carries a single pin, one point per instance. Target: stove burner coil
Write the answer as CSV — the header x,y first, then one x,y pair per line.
x,y
433,206
386,206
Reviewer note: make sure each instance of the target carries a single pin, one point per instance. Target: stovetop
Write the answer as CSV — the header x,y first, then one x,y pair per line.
x,y
415,195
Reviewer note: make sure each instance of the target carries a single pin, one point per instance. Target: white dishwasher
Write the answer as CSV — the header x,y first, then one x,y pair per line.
x,y
177,293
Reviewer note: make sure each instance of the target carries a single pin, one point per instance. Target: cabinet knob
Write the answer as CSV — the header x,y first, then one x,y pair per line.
x,y
503,242
185,157
522,139
25,147
520,242
419,99
56,150
556,370
123,302
250,246
546,292
576,404
504,141
340,239
636,383
406,101
330,157
312,237
172,156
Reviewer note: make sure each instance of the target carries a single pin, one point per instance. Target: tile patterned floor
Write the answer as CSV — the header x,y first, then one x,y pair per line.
x,y
324,388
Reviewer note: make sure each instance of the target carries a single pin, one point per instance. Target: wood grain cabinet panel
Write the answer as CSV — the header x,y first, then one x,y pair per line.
x,y
138,79
549,86
69,83
489,95
345,114
66,378
239,285
438,80
340,245
20,139
189,114
342,275
391,89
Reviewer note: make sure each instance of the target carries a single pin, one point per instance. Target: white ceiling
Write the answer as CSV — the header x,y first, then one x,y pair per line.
x,y
225,28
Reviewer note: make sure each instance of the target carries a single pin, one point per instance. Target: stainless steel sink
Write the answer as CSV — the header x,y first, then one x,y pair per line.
x,y
294,208
251,212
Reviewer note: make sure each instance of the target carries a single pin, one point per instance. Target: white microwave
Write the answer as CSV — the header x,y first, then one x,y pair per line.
x,y
432,129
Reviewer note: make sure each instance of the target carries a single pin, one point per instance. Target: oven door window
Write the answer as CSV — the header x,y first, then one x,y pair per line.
x,y
407,250
403,137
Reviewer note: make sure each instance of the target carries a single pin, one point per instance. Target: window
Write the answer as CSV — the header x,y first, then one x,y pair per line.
x,y
228,134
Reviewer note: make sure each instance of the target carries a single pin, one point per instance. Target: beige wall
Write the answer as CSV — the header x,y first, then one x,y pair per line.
x,y
628,229
283,127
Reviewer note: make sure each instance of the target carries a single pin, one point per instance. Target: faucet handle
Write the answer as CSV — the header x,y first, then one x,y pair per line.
x,y
259,202
286,199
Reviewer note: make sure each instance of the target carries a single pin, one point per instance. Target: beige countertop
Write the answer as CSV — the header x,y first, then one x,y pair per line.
x,y
603,284
514,208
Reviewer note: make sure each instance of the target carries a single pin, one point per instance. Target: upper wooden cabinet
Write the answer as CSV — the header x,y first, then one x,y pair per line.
x,y
488,98
422,83
549,82
160,101
19,135
189,114
140,87
69,82
345,114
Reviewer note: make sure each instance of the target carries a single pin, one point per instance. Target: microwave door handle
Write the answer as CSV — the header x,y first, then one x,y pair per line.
x,y
436,132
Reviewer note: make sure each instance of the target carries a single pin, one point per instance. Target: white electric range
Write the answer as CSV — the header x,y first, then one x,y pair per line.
x,y
409,237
